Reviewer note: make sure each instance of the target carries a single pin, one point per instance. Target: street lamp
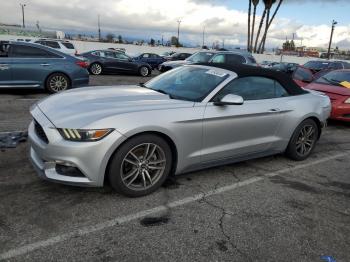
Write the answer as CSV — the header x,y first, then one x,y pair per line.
x,y
203,35
330,40
23,5
178,32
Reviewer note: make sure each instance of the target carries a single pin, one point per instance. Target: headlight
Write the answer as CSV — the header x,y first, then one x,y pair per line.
x,y
84,135
347,101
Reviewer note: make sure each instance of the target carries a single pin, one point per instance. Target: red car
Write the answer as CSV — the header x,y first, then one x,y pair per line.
x,y
336,85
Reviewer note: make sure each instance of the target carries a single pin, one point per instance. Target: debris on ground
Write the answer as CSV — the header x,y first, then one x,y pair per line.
x,y
12,139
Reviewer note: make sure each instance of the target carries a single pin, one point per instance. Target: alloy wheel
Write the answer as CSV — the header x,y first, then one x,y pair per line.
x,y
96,69
144,71
306,140
58,83
143,166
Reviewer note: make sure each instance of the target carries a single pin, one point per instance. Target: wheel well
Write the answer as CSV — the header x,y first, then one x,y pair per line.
x,y
318,123
162,135
69,79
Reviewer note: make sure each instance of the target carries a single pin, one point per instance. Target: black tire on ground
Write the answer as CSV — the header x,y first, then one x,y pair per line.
x,y
145,71
117,167
298,140
57,82
96,69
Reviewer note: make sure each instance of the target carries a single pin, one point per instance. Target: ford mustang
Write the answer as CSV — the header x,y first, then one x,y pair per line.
x,y
190,118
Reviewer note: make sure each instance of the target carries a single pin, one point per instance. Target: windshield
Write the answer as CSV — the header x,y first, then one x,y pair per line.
x,y
187,82
200,57
316,65
334,78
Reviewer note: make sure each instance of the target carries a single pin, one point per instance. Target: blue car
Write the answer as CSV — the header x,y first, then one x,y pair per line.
x,y
26,65
153,60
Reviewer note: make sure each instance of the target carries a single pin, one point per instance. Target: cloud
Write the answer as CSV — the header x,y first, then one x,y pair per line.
x,y
154,18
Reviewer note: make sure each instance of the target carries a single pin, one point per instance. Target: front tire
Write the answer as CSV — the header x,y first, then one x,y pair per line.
x,y
57,82
303,140
144,71
140,166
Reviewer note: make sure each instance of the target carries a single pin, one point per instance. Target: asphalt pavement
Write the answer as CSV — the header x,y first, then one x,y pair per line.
x,y
269,209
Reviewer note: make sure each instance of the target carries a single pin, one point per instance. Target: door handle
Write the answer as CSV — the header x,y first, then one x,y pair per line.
x,y
45,64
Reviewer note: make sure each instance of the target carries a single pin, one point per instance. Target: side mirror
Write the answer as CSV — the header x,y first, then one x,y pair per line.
x,y
230,100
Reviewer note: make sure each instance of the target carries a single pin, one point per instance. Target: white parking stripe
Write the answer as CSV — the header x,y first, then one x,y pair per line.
x,y
124,219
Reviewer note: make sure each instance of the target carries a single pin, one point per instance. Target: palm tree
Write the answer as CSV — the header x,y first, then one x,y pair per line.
x,y
255,4
270,22
260,27
249,36
268,5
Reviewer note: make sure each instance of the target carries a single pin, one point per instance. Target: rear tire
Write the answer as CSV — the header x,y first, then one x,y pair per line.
x,y
144,71
303,140
140,166
57,82
96,69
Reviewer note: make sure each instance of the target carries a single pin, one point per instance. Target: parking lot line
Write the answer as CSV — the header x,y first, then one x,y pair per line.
x,y
128,218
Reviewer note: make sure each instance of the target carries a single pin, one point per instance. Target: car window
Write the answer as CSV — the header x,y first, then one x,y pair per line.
x,y
121,56
146,56
316,65
251,59
4,47
200,57
109,54
154,56
334,78
346,65
30,52
188,83
51,44
68,45
253,88
302,74
229,59
336,65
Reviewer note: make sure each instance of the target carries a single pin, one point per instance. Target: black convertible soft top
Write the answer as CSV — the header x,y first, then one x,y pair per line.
x,y
246,70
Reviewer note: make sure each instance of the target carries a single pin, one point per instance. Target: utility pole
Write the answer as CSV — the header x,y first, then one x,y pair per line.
x,y
178,32
162,40
203,35
99,28
23,5
330,40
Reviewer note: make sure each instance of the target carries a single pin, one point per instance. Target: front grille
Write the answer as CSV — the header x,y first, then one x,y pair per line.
x,y
40,132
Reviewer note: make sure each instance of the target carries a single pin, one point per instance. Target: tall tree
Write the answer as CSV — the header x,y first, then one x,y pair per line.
x,y
268,5
249,14
259,31
255,4
270,22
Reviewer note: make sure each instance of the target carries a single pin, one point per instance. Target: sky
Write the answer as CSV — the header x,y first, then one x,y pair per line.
x,y
224,20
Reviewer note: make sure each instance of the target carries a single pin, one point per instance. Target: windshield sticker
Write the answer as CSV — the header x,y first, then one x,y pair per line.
x,y
214,73
345,84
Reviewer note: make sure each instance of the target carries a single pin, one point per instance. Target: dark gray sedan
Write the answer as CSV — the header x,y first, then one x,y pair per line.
x,y
109,61
26,65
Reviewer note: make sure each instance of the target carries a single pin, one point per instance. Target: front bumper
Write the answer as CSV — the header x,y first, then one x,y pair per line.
x,y
341,112
90,158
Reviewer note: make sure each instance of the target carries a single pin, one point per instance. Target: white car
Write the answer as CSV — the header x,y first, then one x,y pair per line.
x,y
61,45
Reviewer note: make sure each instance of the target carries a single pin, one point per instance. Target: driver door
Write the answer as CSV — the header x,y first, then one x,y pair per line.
x,y
234,131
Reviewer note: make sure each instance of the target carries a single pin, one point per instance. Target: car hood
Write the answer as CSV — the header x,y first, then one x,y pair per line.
x,y
78,108
176,63
329,89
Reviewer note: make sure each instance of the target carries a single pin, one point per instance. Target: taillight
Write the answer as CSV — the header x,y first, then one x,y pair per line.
x,y
82,64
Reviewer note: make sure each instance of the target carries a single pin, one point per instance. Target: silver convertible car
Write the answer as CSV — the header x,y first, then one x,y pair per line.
x,y
189,118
